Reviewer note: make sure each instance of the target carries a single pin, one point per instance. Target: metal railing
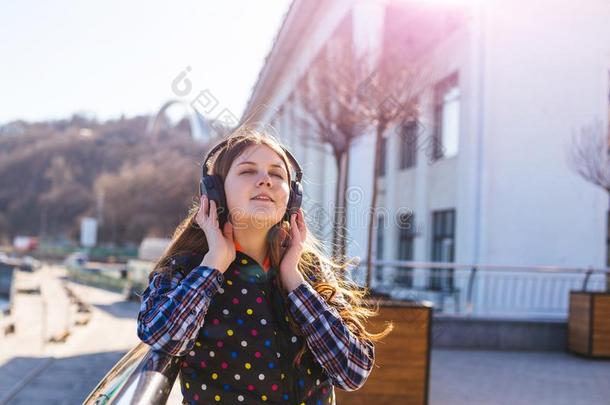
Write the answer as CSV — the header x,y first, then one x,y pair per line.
x,y
484,290
142,376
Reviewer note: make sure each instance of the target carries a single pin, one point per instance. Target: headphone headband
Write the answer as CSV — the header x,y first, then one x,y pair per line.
x,y
213,187
223,143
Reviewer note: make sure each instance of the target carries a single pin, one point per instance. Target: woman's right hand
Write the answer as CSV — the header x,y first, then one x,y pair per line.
x,y
221,251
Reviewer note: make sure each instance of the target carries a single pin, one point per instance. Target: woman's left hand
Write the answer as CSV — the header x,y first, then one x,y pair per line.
x,y
291,278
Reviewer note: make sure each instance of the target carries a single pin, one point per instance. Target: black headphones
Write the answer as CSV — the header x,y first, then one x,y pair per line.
x,y
213,187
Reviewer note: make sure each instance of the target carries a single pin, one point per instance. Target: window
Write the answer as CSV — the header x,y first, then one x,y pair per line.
x,y
408,145
406,238
446,117
379,247
608,239
443,248
382,156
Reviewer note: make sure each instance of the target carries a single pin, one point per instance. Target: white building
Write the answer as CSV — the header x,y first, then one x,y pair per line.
x,y
513,80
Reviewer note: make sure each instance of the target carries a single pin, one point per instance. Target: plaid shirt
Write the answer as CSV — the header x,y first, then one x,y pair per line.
x,y
173,310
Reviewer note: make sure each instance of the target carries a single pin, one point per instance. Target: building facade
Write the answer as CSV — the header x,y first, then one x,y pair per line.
x,y
485,176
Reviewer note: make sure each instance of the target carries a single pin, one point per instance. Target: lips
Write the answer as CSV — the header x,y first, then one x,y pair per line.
x,y
263,199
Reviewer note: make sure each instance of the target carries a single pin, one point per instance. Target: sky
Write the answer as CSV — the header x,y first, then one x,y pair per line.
x,y
108,58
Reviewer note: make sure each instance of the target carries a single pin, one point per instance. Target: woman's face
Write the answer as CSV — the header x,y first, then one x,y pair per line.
x,y
258,170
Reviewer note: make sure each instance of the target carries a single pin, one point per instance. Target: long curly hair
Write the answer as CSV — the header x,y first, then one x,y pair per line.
x,y
327,276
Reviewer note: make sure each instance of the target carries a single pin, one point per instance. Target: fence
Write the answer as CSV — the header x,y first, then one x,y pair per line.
x,y
484,290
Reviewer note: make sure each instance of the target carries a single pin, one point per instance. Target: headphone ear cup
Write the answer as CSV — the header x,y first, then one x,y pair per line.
x,y
294,200
212,186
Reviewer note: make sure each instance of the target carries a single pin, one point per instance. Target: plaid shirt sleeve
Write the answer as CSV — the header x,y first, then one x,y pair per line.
x,y
347,360
173,308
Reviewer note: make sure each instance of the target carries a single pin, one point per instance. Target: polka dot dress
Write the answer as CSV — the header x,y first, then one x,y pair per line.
x,y
245,351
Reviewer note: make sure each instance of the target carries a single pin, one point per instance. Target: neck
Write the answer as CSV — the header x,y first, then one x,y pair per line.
x,y
252,242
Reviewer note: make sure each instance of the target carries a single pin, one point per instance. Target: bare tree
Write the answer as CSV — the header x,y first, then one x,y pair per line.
x,y
388,97
333,115
589,156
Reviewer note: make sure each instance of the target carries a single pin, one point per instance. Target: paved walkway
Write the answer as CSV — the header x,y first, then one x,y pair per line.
x,y
70,370
64,373
514,378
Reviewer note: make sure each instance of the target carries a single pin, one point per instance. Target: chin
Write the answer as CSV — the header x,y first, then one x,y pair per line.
x,y
263,219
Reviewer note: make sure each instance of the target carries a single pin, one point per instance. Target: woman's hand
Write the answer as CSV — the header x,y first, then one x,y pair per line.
x,y
221,251
290,276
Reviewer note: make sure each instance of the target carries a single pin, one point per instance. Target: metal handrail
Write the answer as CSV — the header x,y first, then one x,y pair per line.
x,y
451,265
477,270
142,376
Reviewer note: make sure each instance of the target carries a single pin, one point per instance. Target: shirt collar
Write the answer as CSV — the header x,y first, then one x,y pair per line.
x,y
266,263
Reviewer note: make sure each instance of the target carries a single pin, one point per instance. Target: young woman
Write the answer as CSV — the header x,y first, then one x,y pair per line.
x,y
256,310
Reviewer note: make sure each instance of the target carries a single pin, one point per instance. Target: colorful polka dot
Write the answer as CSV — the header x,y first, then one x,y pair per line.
x,y
248,366
230,332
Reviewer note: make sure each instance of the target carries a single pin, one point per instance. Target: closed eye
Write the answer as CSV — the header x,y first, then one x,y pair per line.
x,y
253,171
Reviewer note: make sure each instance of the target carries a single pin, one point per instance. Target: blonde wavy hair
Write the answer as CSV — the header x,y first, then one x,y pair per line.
x,y
327,277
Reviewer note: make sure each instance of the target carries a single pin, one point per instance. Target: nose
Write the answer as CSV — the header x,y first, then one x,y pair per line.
x,y
265,178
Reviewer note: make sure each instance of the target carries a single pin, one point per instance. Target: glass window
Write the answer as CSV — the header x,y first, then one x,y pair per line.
x,y
382,157
443,248
446,117
406,239
379,246
408,145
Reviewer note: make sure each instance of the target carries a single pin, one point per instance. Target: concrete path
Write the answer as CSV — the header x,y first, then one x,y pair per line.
x,y
517,378
64,373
